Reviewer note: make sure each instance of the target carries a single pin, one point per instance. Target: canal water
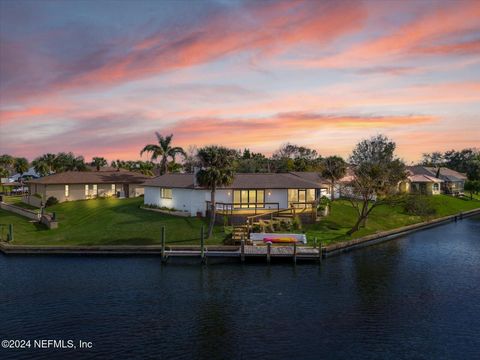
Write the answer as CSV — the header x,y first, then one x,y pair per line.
x,y
417,297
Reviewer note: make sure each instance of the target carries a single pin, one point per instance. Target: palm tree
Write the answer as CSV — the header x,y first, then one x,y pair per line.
x,y
217,170
99,162
44,164
6,161
333,168
21,165
164,149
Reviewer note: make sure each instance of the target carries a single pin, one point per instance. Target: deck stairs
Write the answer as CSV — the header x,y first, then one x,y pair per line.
x,y
239,232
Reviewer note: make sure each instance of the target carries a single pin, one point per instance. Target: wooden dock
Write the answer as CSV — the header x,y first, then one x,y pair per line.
x,y
246,252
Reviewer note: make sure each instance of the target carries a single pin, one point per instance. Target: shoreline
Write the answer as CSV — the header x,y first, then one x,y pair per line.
x,y
228,250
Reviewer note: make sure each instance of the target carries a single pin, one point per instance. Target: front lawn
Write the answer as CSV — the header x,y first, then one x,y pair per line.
x,y
108,222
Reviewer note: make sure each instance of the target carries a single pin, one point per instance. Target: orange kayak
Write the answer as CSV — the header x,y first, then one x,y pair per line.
x,y
280,240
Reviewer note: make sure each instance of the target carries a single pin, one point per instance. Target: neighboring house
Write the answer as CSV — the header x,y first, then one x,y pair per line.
x,y
433,181
249,193
80,185
29,174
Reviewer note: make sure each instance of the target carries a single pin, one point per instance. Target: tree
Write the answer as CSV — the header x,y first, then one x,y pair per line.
x,y
164,149
472,187
21,165
333,168
473,169
376,174
434,159
292,157
217,170
68,162
4,172
99,162
458,160
43,165
6,161
251,162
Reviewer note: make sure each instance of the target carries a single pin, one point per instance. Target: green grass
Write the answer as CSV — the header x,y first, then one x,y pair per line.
x,y
17,201
122,222
108,222
342,217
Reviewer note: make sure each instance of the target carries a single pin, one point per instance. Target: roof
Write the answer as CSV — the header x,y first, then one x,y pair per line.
x,y
92,177
442,173
311,176
241,181
424,178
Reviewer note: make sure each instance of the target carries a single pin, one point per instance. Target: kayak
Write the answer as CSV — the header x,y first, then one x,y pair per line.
x,y
280,240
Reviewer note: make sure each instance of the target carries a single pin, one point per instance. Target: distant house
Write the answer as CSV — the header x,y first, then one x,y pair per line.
x,y
249,193
433,181
80,185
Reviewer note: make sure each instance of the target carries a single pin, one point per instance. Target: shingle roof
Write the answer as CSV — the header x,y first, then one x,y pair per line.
x,y
311,176
424,178
92,177
445,174
241,181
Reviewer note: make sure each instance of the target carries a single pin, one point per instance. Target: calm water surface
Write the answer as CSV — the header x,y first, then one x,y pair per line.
x,y
413,298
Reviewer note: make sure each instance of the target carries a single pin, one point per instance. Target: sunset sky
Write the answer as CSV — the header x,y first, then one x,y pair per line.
x,y
100,77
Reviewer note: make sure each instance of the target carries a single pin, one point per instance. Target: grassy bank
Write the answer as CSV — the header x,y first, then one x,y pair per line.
x,y
122,222
107,222
342,217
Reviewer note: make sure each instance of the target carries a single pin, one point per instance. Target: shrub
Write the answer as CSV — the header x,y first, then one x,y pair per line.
x,y
296,223
52,200
419,205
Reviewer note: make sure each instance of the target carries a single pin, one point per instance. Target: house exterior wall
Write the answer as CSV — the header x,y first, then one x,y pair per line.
x,y
77,191
195,201
425,188
189,200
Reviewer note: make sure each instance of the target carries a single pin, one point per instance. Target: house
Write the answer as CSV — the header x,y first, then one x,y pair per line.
x,y
249,194
80,185
433,181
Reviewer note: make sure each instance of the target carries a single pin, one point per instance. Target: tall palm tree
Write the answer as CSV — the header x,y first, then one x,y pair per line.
x,y
164,150
216,171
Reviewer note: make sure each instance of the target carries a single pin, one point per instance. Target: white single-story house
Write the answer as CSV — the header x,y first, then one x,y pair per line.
x,y
81,185
248,194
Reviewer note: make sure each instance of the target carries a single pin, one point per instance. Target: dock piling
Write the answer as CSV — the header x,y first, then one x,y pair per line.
x,y
242,250
295,253
164,257
269,249
202,245
320,252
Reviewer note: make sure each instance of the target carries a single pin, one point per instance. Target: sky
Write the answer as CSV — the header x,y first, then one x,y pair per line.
x,y
100,77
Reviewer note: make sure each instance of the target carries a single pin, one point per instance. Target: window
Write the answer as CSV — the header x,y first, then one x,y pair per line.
x,y
300,197
113,188
166,193
249,198
436,187
86,190
95,190
67,190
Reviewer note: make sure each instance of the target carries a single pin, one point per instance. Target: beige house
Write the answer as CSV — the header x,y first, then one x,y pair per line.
x,y
421,184
81,185
433,181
